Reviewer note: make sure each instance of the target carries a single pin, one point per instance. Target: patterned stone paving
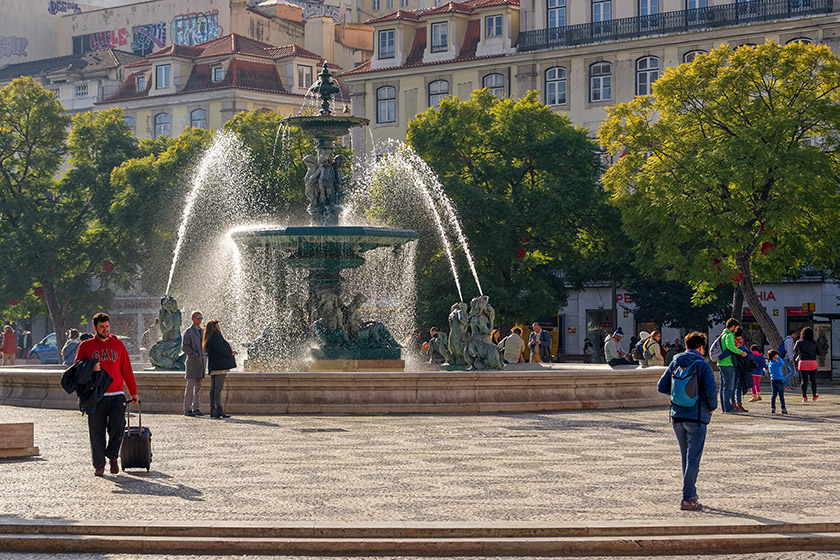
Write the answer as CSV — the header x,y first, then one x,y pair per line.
x,y
558,466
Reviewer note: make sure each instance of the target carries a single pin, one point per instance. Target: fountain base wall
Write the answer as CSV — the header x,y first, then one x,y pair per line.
x,y
570,387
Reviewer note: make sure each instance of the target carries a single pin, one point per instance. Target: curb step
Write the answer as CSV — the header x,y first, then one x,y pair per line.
x,y
390,539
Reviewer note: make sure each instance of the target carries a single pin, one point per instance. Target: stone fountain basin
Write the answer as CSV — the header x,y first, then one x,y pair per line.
x,y
339,243
326,126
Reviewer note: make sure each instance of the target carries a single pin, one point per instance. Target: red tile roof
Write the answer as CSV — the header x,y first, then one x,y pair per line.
x,y
417,48
292,50
471,39
394,16
450,8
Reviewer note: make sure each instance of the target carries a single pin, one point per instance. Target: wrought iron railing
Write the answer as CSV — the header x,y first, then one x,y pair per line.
x,y
748,11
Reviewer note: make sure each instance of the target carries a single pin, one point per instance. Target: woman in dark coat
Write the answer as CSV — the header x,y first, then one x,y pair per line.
x,y
220,360
805,354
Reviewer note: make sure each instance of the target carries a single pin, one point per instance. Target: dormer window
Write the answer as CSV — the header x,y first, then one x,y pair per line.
x,y
218,73
493,26
304,76
162,76
141,83
440,34
386,43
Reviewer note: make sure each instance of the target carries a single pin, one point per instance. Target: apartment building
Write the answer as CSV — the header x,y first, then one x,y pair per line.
x,y
581,55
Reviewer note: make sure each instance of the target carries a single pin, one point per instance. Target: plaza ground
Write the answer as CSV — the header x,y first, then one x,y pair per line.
x,y
604,465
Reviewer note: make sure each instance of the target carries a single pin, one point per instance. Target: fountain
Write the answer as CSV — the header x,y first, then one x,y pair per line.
x,y
323,250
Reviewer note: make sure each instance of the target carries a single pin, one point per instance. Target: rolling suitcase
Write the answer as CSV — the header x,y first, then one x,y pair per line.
x,y
136,450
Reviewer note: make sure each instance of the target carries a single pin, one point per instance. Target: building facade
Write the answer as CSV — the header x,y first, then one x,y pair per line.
x,y
582,56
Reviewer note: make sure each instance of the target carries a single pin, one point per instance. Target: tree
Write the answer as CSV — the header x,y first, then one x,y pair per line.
x,y
730,172
66,245
525,182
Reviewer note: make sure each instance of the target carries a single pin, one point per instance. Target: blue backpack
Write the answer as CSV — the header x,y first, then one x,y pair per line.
x,y
685,388
782,351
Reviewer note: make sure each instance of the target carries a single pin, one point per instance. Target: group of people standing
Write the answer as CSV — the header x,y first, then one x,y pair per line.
x,y
207,351
690,382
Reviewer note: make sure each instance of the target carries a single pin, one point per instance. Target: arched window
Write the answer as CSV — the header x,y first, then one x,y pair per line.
x,y
437,91
647,72
600,82
495,83
386,104
555,86
162,122
198,118
691,55
805,40
130,122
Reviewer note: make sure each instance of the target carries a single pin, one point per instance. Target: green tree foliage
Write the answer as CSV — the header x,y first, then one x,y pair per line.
x,y
525,182
730,172
65,244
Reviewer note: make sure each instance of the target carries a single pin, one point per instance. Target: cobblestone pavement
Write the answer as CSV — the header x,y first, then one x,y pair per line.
x,y
557,466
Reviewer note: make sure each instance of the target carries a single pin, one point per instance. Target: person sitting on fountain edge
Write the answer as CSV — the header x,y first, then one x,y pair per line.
x,y
613,353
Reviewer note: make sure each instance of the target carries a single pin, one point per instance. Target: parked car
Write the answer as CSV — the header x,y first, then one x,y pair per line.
x,y
45,351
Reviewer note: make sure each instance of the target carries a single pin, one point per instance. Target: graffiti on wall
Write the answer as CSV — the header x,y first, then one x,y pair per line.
x,y
196,28
339,14
63,7
147,37
13,46
144,39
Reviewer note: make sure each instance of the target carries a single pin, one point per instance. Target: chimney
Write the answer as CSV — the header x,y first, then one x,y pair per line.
x,y
319,36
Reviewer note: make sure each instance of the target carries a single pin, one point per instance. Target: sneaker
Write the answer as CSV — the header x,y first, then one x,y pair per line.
x,y
691,505
805,399
115,468
99,471
784,411
772,411
189,413
758,397
753,398
197,412
788,389
816,397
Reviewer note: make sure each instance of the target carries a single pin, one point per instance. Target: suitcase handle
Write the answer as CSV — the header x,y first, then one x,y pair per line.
x,y
128,415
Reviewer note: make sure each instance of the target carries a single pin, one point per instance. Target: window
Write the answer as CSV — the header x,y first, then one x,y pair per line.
x,y
130,122
386,43
440,31
162,76
493,26
495,83
218,74
748,8
600,82
691,55
162,127
648,7
695,4
81,90
375,5
57,91
555,86
601,15
556,13
601,10
696,16
386,104
198,118
304,76
800,4
141,83
389,4
647,72
804,40
437,91
403,3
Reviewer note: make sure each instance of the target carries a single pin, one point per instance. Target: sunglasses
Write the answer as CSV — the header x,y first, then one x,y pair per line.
x,y
198,317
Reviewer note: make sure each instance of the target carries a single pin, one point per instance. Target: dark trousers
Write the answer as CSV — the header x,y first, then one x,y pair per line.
x,y
108,418
778,389
621,362
812,375
216,384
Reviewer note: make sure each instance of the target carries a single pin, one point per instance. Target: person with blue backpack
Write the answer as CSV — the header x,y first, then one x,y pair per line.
x,y
691,383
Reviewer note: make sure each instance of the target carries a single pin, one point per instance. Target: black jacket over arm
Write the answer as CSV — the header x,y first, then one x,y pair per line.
x,y
88,385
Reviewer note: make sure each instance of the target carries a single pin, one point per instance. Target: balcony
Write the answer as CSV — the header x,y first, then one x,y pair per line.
x,y
751,11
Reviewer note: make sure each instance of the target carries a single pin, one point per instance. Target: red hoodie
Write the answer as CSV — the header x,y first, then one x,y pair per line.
x,y
113,357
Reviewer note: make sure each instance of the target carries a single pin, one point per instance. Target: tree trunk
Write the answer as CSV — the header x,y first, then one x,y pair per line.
x,y
57,315
738,303
756,307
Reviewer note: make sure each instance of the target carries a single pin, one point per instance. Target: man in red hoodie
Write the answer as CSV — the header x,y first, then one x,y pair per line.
x,y
109,416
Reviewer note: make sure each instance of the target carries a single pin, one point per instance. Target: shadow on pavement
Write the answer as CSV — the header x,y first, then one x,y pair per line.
x,y
139,483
